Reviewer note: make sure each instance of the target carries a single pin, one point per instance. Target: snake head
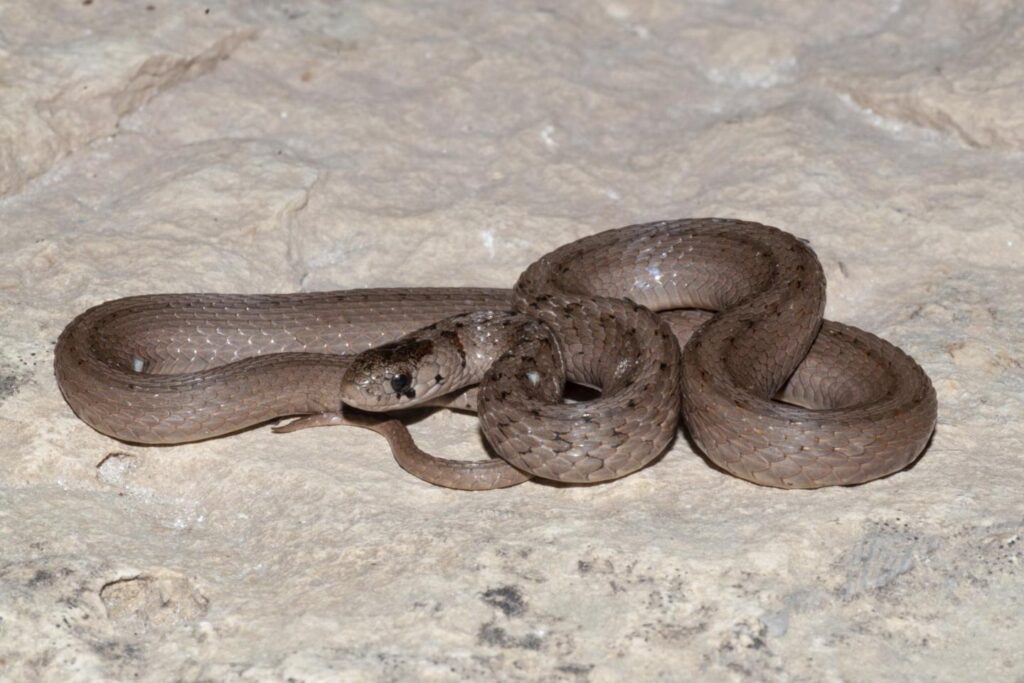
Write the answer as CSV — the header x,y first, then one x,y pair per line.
x,y
391,376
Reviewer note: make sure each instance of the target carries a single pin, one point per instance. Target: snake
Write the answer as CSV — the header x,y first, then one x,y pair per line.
x,y
715,321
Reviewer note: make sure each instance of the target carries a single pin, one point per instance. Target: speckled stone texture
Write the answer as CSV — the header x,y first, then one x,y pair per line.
x,y
271,147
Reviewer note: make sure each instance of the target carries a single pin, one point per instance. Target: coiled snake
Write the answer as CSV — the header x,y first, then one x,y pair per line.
x,y
768,390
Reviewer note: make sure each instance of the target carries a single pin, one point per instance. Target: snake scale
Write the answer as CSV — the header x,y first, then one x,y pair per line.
x,y
767,389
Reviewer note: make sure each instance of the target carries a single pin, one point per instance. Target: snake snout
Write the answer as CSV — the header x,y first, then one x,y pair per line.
x,y
369,388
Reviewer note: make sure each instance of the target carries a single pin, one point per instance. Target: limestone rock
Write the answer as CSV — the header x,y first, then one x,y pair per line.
x,y
269,147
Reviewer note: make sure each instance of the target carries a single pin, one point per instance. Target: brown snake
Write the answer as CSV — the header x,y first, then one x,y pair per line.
x,y
769,391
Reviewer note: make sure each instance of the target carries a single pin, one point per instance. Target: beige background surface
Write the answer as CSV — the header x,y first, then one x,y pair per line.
x,y
273,147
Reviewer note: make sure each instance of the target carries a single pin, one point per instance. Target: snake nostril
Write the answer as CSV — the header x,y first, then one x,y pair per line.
x,y
400,384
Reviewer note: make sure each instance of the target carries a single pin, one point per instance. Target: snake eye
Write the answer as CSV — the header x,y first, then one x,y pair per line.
x,y
400,385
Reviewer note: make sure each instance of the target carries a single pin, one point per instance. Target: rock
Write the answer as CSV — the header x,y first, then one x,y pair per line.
x,y
267,147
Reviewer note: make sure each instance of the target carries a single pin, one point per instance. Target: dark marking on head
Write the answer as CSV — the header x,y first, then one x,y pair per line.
x,y
452,338
403,350
455,340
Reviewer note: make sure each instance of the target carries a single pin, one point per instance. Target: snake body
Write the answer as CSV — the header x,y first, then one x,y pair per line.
x,y
768,391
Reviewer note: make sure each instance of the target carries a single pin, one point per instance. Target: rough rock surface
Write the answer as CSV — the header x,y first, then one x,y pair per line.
x,y
272,147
